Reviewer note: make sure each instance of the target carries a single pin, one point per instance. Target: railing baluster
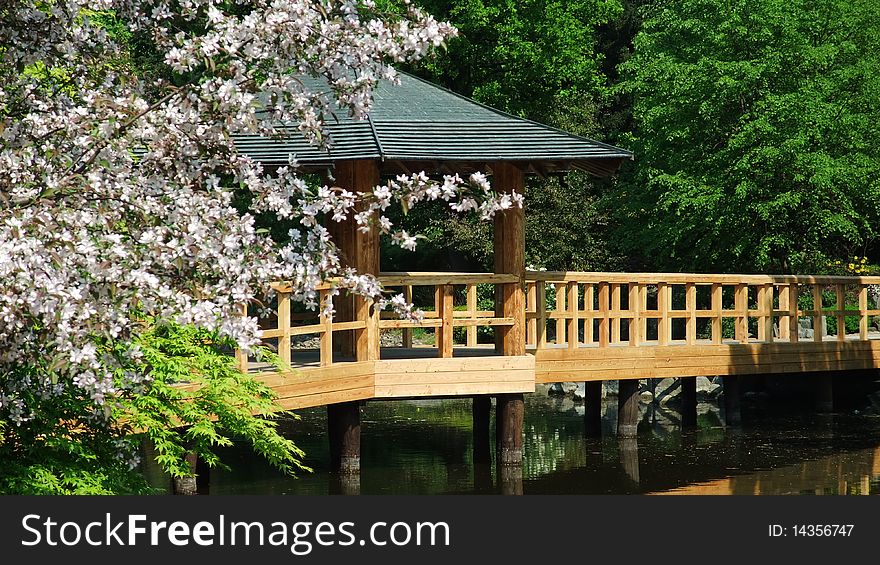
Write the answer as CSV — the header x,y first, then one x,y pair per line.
x,y
717,336
818,324
241,358
471,331
690,292
588,307
326,354
741,305
664,295
615,313
560,312
445,310
284,326
573,315
531,323
840,291
767,315
603,309
541,315
863,312
635,310
643,329
407,332
794,320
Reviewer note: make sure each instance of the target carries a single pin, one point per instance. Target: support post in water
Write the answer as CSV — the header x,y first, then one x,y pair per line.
x,y
509,428
732,415
593,408
482,406
824,390
688,402
627,408
344,431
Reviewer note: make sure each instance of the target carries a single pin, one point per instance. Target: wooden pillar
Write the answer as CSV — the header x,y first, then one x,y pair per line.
x,y
824,391
344,431
510,479
482,407
688,402
509,247
593,408
629,458
732,415
627,408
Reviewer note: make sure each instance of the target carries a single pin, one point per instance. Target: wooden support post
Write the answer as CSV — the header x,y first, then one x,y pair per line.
x,y
841,306
445,310
824,390
765,305
471,331
509,246
482,407
241,358
732,415
818,320
615,313
360,250
407,332
664,323
863,316
785,321
688,402
629,458
628,408
717,336
593,408
573,337
690,292
509,410
344,432
635,308
510,480
794,323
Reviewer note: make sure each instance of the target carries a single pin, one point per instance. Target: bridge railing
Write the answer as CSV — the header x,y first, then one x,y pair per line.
x,y
574,309
443,314
284,325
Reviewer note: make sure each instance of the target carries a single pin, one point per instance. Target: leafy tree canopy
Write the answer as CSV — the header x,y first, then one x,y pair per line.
x,y
757,134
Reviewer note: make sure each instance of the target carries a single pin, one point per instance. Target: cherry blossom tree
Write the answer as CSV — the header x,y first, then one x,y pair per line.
x,y
116,190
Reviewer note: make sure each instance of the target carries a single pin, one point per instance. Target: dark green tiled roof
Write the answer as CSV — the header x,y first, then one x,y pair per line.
x,y
420,125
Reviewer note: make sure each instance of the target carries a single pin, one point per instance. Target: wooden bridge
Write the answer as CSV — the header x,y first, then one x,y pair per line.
x,y
572,326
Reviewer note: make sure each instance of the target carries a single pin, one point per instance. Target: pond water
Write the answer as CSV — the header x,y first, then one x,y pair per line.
x,y
425,447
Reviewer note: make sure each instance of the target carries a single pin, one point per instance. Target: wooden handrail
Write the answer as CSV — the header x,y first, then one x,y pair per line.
x,y
696,278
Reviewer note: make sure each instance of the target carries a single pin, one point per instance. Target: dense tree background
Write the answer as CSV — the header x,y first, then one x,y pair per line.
x,y
755,125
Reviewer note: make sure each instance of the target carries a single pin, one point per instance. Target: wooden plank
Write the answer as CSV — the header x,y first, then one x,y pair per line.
x,y
455,364
511,375
839,290
435,278
863,318
425,323
454,389
322,399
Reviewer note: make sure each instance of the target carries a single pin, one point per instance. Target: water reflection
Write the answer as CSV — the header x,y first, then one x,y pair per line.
x,y
426,447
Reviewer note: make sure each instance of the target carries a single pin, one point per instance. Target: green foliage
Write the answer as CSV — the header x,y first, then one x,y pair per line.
x,y
757,134
195,401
